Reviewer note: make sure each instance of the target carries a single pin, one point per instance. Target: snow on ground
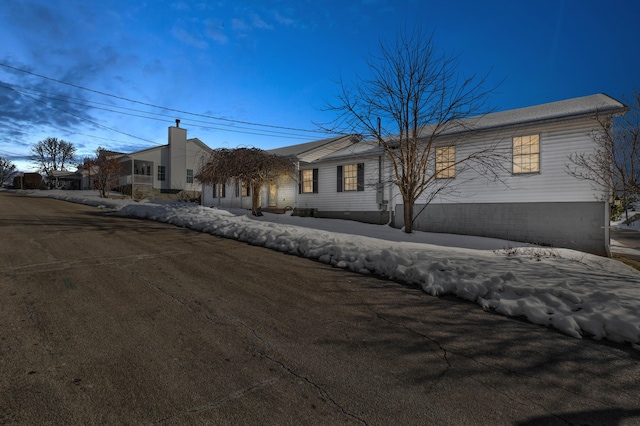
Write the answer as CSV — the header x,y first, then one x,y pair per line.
x,y
578,293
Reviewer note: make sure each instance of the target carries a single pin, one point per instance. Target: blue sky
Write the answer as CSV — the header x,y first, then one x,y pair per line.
x,y
274,63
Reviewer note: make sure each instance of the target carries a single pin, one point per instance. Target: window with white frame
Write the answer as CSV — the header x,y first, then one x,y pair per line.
x,y
526,154
445,162
189,176
161,173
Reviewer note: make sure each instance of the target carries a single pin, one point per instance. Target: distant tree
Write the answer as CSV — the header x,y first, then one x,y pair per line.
x,y
7,169
615,165
252,166
52,154
107,171
414,97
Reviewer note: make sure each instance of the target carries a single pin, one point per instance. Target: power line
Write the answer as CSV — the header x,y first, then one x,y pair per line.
x,y
161,107
191,122
79,117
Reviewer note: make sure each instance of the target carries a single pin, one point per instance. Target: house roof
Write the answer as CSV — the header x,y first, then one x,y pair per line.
x,y
312,151
570,108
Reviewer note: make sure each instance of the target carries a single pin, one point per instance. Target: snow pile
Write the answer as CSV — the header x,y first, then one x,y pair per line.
x,y
577,293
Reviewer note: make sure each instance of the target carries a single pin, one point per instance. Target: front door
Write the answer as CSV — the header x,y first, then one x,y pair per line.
x,y
273,200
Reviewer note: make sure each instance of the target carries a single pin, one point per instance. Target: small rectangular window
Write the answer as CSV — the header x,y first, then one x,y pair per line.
x,y
161,173
219,190
445,162
350,177
308,184
526,154
246,190
189,176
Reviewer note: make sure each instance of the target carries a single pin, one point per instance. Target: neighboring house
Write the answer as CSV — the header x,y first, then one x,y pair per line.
x,y
533,200
65,179
283,193
27,181
165,169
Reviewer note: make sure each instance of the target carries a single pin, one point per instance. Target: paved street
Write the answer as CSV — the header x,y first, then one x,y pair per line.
x,y
113,320
631,241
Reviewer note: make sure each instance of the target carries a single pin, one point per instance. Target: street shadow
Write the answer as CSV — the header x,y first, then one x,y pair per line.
x,y
606,417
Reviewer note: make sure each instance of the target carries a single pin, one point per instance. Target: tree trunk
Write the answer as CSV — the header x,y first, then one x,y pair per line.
x,y
255,200
408,216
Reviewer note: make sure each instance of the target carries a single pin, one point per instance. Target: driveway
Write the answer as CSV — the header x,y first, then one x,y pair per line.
x,y
626,246
114,320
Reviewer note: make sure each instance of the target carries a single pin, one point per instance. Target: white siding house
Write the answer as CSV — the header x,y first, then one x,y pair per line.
x,y
165,169
531,198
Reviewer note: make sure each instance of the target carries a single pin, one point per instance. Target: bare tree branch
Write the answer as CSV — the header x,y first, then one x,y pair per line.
x,y
615,165
413,100
252,166
52,154
7,169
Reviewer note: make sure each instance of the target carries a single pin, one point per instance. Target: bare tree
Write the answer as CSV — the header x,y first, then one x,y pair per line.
x,y
252,166
413,98
615,165
107,171
7,169
52,154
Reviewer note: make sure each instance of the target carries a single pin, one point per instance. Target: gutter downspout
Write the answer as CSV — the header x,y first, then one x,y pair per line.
x,y
295,190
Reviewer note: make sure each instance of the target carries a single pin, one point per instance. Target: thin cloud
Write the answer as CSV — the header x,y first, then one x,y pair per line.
x,y
215,32
239,25
182,35
259,23
283,19
180,5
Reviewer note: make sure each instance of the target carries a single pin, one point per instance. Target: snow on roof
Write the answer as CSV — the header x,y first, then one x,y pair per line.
x,y
575,107
312,151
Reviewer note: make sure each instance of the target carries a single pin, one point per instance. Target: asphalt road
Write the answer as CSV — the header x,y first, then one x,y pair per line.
x,y
119,321
630,239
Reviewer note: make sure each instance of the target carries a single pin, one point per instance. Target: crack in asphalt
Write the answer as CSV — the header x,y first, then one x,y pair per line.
x,y
445,357
445,352
323,392
234,395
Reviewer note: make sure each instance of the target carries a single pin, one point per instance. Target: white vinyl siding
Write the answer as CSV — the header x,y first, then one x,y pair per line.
x,y
329,199
551,184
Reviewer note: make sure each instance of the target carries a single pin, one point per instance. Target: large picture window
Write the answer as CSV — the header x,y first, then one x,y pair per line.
x,y
526,154
445,162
